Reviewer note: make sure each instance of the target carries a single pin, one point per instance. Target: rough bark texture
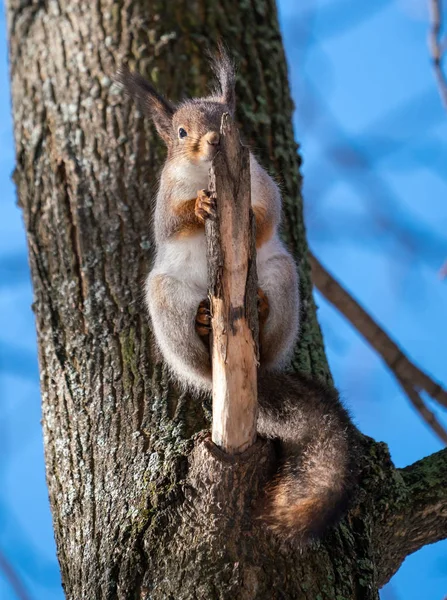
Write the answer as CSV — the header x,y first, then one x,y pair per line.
x,y
231,254
135,513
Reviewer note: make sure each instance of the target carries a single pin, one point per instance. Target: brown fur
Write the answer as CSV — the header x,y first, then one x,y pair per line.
x,y
190,215
186,220
263,308
293,518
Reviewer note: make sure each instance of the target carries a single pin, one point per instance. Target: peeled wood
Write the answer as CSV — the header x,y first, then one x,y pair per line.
x,y
233,296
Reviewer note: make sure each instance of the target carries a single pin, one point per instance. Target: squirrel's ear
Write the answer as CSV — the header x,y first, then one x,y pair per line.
x,y
149,101
223,67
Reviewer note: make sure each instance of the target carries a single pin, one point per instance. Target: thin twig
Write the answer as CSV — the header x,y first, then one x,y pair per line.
x,y
437,47
429,417
390,352
14,580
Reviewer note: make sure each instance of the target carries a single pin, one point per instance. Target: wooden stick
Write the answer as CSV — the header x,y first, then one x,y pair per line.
x,y
233,296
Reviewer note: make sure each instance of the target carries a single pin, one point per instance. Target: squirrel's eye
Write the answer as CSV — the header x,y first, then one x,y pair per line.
x,y
182,133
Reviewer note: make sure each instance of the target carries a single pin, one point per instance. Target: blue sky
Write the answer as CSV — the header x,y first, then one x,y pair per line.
x,y
373,135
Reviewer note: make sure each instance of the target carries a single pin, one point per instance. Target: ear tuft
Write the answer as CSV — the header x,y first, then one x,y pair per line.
x,y
148,100
223,68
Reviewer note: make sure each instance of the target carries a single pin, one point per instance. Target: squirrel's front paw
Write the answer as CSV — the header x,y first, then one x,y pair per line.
x,y
263,307
203,320
205,207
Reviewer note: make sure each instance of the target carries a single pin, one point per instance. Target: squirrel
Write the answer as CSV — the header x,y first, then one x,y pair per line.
x,y
315,482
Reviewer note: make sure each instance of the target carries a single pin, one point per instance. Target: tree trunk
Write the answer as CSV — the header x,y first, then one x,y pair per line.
x,y
144,506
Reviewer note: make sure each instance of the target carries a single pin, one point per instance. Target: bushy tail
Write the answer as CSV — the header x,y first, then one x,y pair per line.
x,y
316,480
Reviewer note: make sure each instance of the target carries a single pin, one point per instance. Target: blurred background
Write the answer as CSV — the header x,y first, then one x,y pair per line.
x,y
373,130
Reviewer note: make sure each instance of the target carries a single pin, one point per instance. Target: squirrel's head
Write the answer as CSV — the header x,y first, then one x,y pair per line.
x,y
190,129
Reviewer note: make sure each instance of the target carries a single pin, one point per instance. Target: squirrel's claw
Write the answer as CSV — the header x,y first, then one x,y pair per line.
x,y
203,315
205,207
203,320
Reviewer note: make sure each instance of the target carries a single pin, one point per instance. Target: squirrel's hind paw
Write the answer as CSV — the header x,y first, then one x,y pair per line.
x,y
203,320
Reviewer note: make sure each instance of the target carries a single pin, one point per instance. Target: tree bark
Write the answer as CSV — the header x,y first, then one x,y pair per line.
x,y
143,505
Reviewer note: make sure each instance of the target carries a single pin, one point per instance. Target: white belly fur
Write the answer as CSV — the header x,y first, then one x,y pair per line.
x,y
185,259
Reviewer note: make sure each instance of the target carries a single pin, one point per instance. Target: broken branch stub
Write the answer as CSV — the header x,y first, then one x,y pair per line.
x,y
232,279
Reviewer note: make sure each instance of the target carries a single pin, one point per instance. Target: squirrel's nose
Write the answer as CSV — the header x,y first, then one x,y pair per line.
x,y
213,138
